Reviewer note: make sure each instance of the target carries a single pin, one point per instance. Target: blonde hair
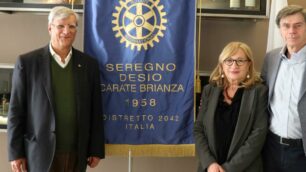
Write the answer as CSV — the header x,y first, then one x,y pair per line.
x,y
230,49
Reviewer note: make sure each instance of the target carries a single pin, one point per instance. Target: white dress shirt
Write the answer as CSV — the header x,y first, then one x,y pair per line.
x,y
285,120
58,59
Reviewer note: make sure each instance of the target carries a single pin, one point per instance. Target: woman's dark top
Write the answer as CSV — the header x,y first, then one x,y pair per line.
x,y
225,122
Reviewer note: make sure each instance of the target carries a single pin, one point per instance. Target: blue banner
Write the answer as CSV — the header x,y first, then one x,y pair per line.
x,y
145,49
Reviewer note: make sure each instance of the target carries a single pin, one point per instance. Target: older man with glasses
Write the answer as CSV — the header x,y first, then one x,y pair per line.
x,y
55,118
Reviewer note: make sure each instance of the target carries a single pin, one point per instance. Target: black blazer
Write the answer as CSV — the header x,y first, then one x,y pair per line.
x,y
249,136
31,120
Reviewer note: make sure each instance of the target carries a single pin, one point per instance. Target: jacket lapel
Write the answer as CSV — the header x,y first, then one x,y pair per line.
x,y
244,115
273,76
78,68
301,109
46,75
303,87
210,117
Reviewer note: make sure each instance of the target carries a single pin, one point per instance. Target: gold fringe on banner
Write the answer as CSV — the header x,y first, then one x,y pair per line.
x,y
151,150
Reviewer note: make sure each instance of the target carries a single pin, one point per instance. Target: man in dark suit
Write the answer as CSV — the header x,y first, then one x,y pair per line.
x,y
55,118
285,75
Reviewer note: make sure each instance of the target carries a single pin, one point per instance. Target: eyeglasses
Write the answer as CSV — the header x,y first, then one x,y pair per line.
x,y
71,27
239,62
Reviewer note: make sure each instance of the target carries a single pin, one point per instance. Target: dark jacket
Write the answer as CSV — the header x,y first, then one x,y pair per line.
x,y
31,120
249,136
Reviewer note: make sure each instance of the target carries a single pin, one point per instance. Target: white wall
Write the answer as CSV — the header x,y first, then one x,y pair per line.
x,y
21,32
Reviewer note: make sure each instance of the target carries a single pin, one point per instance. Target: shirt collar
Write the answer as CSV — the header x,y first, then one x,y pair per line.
x,y
57,58
298,57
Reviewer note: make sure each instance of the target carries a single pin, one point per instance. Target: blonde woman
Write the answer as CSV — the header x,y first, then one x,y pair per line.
x,y
231,126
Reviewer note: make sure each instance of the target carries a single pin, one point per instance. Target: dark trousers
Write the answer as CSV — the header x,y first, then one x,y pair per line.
x,y
64,162
283,158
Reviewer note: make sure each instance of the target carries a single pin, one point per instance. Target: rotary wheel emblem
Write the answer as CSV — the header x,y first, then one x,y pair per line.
x,y
138,23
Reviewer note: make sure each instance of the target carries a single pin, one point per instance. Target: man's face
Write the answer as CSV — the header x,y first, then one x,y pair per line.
x,y
293,31
63,32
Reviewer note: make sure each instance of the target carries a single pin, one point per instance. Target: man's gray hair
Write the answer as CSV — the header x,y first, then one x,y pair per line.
x,y
61,12
288,11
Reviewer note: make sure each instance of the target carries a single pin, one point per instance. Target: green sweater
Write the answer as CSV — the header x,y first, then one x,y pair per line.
x,y
65,106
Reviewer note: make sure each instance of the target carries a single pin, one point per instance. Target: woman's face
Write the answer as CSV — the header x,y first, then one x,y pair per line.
x,y
236,67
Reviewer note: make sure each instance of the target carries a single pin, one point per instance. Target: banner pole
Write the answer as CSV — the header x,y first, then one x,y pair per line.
x,y
198,79
130,161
